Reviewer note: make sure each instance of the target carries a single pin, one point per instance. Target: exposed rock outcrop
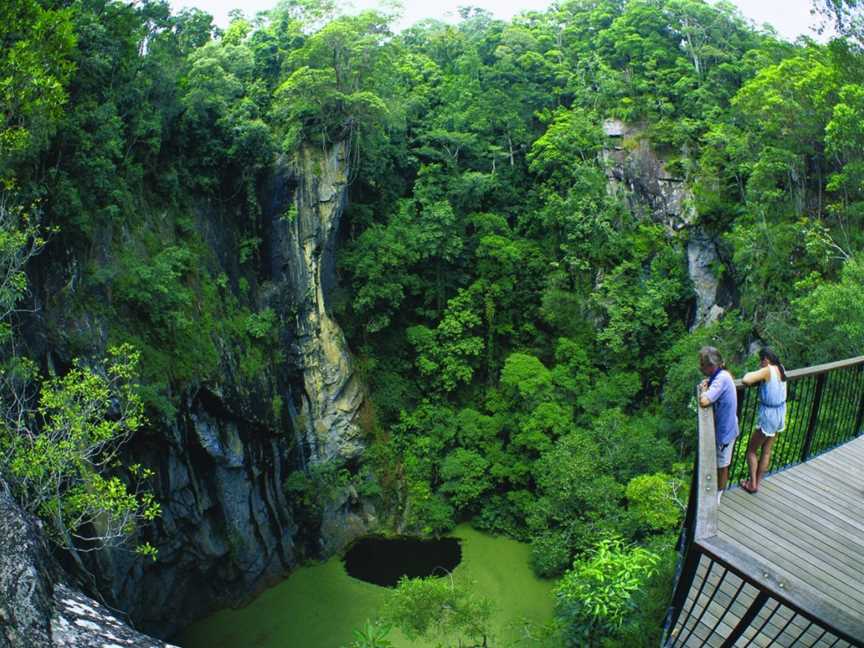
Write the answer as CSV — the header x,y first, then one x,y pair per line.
x,y
226,528
702,263
635,169
304,258
37,609
26,574
637,172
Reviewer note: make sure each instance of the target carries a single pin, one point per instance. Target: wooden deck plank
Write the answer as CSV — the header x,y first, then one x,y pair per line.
x,y
851,463
775,509
790,521
807,523
831,577
817,498
846,469
828,590
826,495
855,470
808,548
786,585
846,502
827,478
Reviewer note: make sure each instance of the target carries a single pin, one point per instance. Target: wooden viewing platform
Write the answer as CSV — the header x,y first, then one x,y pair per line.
x,y
783,567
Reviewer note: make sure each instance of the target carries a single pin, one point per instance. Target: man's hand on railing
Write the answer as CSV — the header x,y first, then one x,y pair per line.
x,y
703,400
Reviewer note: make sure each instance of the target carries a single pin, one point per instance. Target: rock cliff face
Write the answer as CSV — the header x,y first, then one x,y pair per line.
x,y
39,610
635,169
227,528
642,176
304,255
702,260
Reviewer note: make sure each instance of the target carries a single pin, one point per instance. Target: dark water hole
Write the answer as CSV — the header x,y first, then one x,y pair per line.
x,y
383,561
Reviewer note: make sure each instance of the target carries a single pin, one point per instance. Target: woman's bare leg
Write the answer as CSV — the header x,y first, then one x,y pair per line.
x,y
757,439
765,457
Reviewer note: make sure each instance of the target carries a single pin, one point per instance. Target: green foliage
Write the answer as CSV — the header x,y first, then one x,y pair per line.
x,y
522,329
318,487
643,625
60,464
657,501
371,635
35,50
442,609
571,142
826,320
329,94
594,598
20,240
262,325
445,354
846,15
576,496
466,478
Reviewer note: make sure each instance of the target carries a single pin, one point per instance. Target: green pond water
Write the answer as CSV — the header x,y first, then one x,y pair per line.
x,y
318,606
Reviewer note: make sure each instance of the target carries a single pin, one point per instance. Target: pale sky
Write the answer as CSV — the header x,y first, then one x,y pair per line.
x,y
790,17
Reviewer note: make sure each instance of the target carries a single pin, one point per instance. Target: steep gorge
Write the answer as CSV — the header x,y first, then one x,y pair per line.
x,y
227,527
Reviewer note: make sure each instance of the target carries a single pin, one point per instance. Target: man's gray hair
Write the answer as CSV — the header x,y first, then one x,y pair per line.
x,y
708,355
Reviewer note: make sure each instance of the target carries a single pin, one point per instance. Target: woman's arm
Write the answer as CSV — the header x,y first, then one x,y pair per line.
x,y
757,376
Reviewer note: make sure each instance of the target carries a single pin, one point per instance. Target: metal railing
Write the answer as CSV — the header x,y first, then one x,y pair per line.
x,y
825,408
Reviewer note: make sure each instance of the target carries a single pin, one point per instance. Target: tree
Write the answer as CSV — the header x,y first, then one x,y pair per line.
x,y
446,354
657,501
466,477
844,142
442,609
60,463
595,596
576,497
328,95
35,66
826,320
61,456
847,16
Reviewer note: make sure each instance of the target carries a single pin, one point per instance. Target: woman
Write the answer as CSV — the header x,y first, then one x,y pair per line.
x,y
771,416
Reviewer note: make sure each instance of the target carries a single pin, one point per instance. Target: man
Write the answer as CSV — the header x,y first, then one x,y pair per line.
x,y
718,389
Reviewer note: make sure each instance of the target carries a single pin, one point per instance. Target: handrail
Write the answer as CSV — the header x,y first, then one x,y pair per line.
x,y
706,481
815,370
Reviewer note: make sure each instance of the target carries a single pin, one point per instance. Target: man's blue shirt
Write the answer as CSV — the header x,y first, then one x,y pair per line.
x,y
721,393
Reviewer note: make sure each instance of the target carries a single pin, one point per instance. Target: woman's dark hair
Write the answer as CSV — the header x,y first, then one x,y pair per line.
x,y
767,354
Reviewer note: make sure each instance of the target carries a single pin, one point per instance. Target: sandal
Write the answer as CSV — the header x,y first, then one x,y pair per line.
x,y
747,486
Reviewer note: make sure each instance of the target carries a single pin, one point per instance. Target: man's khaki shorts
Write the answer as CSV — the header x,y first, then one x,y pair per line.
x,y
724,454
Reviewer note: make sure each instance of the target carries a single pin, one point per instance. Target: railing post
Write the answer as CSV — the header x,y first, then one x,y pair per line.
x,y
689,559
739,397
689,529
682,589
860,418
814,416
746,620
